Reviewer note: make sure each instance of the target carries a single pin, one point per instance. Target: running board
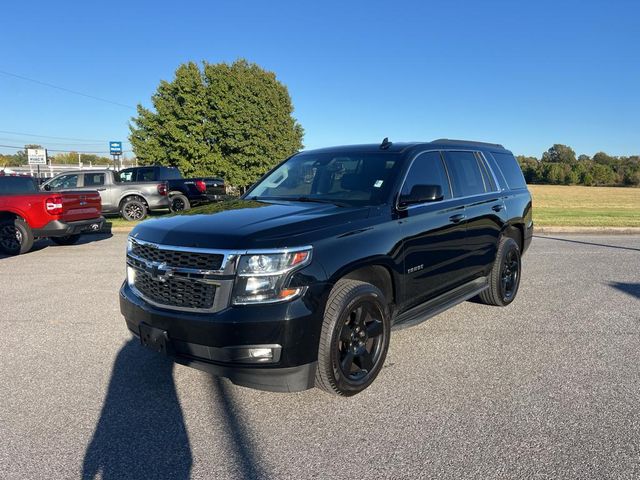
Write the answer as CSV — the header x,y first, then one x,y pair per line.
x,y
439,304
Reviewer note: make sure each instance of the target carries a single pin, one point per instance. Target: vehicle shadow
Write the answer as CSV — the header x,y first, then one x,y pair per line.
x,y
632,289
246,458
84,239
544,237
141,432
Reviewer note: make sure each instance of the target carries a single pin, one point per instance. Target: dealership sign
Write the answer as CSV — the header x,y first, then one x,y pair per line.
x,y
37,156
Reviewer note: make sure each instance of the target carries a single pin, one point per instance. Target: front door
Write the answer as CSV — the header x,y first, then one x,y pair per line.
x,y
434,234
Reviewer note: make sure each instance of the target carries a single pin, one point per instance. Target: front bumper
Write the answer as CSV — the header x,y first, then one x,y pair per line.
x,y
58,228
204,340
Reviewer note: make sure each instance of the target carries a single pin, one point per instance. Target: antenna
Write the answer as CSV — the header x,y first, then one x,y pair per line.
x,y
385,143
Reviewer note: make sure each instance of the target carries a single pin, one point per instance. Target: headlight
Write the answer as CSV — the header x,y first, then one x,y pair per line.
x,y
263,277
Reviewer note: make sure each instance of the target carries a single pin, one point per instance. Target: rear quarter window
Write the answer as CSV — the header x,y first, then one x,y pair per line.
x,y
17,186
510,170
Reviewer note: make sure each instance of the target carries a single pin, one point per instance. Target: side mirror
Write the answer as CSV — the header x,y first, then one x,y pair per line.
x,y
47,187
422,194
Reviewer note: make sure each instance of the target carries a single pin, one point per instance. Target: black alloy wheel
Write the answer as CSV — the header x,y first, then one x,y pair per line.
x,y
10,238
510,274
133,210
504,279
360,344
15,236
354,339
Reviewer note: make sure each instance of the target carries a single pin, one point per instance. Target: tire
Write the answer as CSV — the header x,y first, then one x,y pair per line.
x,y
504,278
352,305
179,203
16,236
133,209
66,240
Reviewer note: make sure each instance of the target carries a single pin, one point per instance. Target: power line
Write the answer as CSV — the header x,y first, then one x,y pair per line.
x,y
68,90
71,144
55,138
63,151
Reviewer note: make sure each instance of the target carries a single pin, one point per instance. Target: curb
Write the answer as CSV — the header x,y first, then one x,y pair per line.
x,y
588,230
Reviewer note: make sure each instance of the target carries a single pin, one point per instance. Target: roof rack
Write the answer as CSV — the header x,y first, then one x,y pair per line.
x,y
466,142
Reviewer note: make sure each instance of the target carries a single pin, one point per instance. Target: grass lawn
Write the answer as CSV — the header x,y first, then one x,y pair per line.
x,y
575,206
559,205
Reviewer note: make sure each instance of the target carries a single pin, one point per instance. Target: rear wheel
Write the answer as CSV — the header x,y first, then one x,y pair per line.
x,y
354,339
15,236
504,278
179,203
133,209
66,240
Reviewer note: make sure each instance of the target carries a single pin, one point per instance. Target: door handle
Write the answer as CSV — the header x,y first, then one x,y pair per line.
x,y
101,189
497,208
457,218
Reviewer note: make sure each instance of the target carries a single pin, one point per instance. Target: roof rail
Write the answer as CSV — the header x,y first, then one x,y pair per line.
x,y
466,142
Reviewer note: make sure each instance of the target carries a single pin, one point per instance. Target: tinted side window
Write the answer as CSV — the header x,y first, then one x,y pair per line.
x,y
510,169
17,185
146,175
466,176
127,175
93,179
489,183
169,174
427,169
64,181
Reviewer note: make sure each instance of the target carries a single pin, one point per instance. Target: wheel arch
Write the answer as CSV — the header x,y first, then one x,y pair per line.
x,y
515,231
130,195
378,274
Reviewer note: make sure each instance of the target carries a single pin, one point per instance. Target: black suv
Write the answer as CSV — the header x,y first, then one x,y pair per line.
x,y
299,283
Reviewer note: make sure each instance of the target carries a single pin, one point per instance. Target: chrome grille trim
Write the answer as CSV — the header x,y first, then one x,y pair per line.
x,y
222,279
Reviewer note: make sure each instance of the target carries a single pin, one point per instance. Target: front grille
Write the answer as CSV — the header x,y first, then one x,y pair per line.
x,y
176,292
177,258
179,279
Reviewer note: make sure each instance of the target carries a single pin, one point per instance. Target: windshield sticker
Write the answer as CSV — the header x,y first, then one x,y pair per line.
x,y
378,183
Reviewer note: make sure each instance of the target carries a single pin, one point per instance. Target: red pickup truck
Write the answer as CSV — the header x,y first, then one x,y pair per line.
x,y
26,213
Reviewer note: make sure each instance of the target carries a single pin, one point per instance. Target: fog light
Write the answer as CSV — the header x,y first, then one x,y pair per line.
x,y
261,353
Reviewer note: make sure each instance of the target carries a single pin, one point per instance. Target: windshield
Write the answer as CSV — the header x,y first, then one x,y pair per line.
x,y
350,178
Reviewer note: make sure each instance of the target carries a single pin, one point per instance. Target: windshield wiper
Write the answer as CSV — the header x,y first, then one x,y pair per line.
x,y
319,200
302,199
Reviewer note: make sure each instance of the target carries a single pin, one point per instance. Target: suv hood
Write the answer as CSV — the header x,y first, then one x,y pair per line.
x,y
246,224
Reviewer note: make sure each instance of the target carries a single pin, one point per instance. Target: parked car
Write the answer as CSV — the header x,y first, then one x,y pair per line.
x,y
183,192
132,200
26,213
299,283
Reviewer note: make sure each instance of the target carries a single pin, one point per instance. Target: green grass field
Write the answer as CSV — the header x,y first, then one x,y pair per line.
x,y
559,205
575,206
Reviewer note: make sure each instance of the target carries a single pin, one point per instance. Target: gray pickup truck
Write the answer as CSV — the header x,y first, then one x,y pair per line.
x,y
132,200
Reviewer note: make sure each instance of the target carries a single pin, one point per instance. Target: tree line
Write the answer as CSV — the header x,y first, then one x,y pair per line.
x,y
20,158
560,166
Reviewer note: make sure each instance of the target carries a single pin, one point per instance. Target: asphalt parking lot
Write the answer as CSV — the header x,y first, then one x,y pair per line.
x,y
547,388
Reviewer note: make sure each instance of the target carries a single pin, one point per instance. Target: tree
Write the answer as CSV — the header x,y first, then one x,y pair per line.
x,y
559,154
230,120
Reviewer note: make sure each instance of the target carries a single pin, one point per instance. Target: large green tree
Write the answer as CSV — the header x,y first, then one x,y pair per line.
x,y
559,154
230,120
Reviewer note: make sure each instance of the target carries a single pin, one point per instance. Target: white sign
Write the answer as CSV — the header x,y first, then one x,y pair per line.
x,y
37,156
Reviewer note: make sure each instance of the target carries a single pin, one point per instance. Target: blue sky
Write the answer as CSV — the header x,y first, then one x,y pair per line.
x,y
525,74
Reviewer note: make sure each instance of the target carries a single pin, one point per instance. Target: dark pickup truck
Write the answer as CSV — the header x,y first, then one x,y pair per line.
x,y
183,192
299,283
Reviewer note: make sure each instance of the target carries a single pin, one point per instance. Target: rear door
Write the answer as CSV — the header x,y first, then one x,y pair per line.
x,y
434,234
472,182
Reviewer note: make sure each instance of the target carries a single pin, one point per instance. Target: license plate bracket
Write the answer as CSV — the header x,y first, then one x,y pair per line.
x,y
155,339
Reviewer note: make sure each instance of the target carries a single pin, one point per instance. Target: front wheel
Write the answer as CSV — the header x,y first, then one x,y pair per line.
x,y
504,278
15,236
354,339
66,240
